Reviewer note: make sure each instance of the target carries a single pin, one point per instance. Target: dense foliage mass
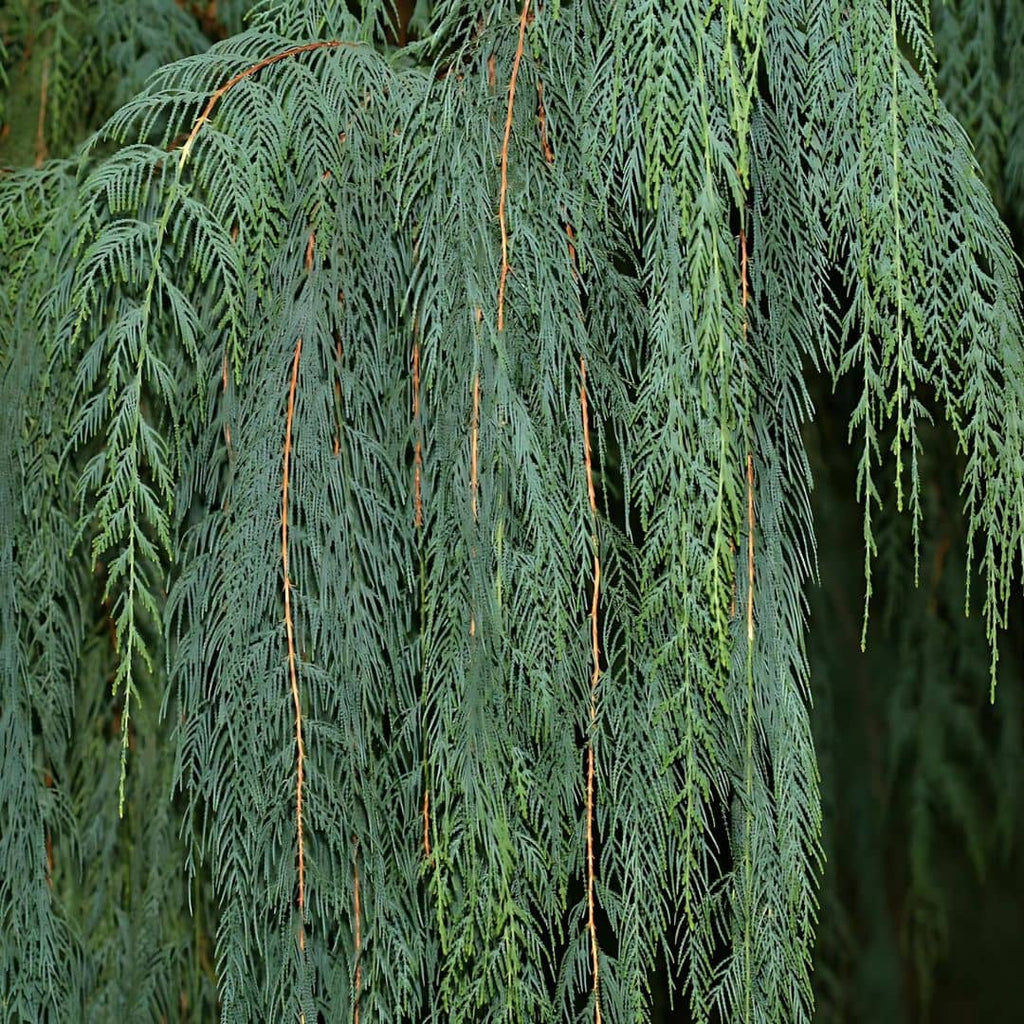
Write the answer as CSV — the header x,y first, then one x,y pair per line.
x,y
406,497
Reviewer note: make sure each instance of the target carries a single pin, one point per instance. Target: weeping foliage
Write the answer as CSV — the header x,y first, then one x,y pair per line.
x,y
405,501
980,46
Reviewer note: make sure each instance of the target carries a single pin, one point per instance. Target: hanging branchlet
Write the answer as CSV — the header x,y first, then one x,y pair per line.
x,y
744,299
418,524
594,679
357,912
417,457
186,149
503,194
289,626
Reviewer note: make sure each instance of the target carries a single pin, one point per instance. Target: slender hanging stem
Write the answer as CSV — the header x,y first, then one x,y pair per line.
x,y
748,878
750,548
418,451
542,119
594,677
337,401
418,523
474,478
426,822
356,899
745,298
289,625
330,44
523,18
224,369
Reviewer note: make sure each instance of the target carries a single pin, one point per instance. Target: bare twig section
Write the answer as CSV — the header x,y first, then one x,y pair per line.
x,y
523,19
326,44
595,676
289,625
358,928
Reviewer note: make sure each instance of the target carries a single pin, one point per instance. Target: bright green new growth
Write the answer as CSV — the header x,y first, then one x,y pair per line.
x,y
411,438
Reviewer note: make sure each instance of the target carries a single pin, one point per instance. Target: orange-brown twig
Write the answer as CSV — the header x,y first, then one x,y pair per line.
x,y
224,388
549,158
735,582
289,626
224,364
358,928
474,480
542,118
591,493
426,822
331,44
310,246
750,548
418,452
523,18
744,279
337,401
418,523
745,298
594,677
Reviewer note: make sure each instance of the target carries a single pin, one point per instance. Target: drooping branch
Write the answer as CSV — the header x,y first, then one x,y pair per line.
x,y
289,625
594,677
418,524
418,443
750,548
748,867
329,44
358,913
502,221
474,447
745,298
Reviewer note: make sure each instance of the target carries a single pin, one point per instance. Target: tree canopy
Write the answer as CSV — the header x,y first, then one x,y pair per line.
x,y
406,494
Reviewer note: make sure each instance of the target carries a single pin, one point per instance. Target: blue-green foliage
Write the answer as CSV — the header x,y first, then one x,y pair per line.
x,y
303,255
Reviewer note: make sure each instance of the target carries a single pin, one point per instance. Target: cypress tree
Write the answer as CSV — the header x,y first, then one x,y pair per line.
x,y
406,494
